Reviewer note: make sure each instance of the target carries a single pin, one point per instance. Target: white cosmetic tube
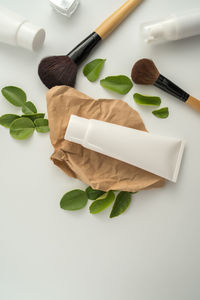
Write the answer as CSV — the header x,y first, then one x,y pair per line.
x,y
175,27
156,154
17,31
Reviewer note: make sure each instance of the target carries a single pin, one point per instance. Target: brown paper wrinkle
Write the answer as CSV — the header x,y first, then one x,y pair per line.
x,y
95,169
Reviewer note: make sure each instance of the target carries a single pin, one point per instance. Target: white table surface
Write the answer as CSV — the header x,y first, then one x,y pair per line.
x,y
152,251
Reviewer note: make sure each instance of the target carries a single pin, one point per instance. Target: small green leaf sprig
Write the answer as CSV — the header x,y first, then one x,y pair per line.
x,y
93,69
77,199
122,84
22,127
161,113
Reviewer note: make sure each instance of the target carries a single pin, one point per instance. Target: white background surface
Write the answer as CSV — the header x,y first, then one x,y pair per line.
x,y
149,253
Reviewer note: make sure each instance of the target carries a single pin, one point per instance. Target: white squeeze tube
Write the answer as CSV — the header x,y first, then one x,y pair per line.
x,y
156,154
175,27
17,31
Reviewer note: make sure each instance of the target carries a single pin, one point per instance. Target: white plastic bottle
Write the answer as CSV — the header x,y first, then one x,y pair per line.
x,y
175,27
17,31
156,154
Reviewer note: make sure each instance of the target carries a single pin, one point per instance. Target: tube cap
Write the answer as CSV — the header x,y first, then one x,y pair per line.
x,y
159,31
65,7
30,36
76,130
152,32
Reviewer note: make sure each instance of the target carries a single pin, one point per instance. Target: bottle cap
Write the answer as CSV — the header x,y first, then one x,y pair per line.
x,y
76,129
65,7
30,36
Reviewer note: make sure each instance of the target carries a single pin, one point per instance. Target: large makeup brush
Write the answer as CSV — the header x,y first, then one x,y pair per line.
x,y
62,70
145,72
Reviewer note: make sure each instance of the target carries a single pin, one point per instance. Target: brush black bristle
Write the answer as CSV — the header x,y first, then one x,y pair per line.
x,y
57,70
144,72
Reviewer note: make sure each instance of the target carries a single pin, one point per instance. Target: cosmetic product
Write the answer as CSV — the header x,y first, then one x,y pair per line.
x,y
175,27
17,31
99,171
156,154
62,70
64,7
145,72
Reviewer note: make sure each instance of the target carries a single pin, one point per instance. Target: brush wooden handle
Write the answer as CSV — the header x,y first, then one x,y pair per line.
x,y
116,18
194,103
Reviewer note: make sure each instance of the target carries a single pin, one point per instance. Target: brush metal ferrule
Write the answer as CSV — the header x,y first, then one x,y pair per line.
x,y
82,50
168,86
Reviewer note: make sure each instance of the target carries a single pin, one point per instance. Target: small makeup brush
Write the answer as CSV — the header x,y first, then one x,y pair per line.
x,y
145,72
62,70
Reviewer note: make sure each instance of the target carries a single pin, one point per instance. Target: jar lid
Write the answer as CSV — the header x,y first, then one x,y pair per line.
x,y
65,7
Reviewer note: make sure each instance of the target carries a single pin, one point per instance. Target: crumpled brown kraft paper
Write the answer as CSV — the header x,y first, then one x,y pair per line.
x,y
97,170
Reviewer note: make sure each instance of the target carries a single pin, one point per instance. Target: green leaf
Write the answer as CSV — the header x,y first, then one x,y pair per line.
x,y
33,117
120,84
74,200
162,113
93,194
121,204
14,95
93,69
22,128
42,125
29,108
6,120
102,202
146,100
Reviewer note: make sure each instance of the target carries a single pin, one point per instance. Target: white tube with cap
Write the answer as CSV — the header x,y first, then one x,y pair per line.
x,y
156,154
17,31
175,27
